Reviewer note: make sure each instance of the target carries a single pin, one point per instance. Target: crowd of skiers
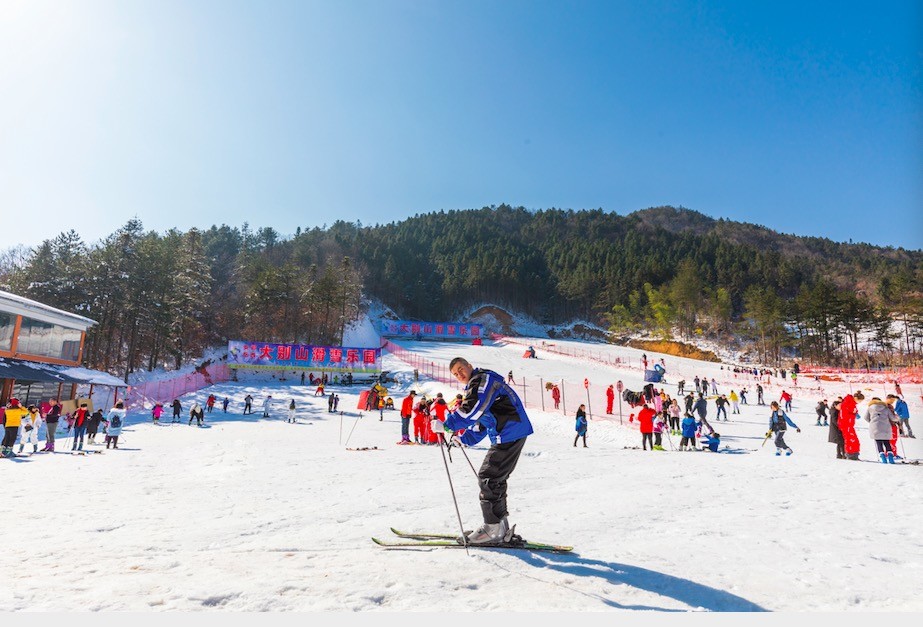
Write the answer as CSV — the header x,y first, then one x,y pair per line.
x,y
23,424
888,420
659,415
419,413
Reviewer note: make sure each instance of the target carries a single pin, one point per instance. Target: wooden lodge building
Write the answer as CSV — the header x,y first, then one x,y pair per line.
x,y
40,352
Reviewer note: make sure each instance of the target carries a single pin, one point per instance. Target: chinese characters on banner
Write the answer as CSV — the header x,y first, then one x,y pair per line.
x,y
264,356
441,330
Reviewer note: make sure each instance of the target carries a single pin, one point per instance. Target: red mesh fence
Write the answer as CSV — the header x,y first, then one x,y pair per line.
x,y
164,391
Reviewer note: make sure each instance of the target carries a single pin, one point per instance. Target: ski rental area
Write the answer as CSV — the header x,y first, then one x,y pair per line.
x,y
247,513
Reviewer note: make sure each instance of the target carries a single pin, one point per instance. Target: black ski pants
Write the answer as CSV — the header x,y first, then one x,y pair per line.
x,y
9,435
498,465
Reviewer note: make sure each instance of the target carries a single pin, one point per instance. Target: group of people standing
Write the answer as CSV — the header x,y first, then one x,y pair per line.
x,y
23,424
888,420
421,412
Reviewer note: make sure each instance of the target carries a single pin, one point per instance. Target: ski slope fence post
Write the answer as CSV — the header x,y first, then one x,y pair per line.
x,y
619,386
589,406
541,388
563,398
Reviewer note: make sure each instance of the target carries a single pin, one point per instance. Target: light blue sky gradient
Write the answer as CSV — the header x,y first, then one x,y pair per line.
x,y
806,117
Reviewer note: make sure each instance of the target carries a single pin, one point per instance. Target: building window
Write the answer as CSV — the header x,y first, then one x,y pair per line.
x,y
7,324
44,339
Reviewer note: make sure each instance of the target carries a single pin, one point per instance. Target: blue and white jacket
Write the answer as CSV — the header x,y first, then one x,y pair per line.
x,y
778,420
489,406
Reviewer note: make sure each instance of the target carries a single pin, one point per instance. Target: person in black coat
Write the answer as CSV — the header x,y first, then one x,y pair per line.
x,y
93,425
834,435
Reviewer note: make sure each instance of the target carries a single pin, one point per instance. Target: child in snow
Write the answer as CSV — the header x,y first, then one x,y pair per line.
x,y
196,413
881,418
688,428
116,418
777,424
267,405
419,416
291,412
674,412
659,426
93,425
28,428
711,442
581,425
157,412
225,403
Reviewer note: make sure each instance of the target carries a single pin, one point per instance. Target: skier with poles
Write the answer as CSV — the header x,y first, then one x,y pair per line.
x,y
489,405
777,424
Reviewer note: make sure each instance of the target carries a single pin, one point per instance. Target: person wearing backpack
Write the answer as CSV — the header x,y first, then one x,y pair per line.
x,y
115,418
778,423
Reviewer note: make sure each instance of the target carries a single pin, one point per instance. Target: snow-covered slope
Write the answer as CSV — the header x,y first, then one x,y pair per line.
x,y
255,514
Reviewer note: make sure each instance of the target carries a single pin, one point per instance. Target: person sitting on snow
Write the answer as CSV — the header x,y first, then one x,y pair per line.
x,y
711,441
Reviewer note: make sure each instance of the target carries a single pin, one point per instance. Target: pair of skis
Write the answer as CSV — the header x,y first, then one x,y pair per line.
x,y
450,541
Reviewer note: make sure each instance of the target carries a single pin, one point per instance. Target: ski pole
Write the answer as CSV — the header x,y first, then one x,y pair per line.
x,y
353,429
468,459
452,489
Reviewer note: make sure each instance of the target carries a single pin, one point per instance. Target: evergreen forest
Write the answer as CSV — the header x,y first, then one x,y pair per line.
x,y
671,273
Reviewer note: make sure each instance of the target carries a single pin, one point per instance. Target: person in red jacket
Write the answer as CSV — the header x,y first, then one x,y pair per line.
x,y
406,413
437,411
610,396
646,421
81,416
420,416
210,403
847,424
787,399
556,396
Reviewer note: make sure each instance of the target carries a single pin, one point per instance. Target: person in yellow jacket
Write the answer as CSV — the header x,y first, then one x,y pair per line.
x,y
377,399
12,421
735,408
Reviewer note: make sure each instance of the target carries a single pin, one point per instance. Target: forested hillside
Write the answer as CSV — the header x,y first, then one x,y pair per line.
x,y
163,297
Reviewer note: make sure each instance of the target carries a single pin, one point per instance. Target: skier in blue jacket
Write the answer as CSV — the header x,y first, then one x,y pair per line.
x,y
489,406
688,428
581,425
778,423
903,412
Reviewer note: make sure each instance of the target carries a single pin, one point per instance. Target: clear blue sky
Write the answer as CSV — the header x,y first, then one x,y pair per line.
x,y
806,117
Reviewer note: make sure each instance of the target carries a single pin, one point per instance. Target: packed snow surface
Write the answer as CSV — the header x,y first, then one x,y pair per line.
x,y
255,514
